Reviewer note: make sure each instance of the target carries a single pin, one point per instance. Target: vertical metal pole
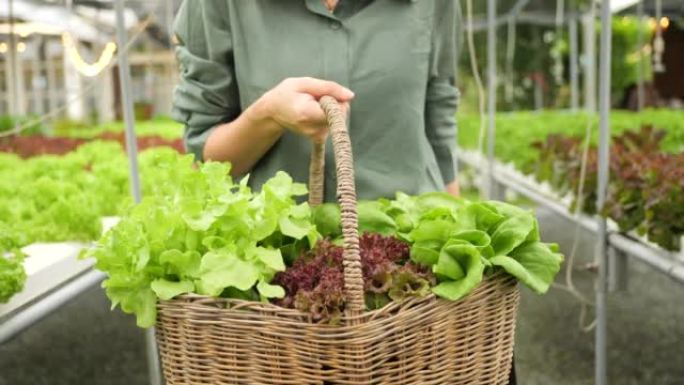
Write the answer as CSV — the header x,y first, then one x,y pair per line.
x,y
15,94
52,91
491,94
37,80
169,18
132,149
538,96
603,177
590,59
127,100
641,96
658,42
510,58
574,68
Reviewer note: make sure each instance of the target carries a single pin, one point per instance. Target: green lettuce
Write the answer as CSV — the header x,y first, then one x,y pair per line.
x,y
460,241
199,232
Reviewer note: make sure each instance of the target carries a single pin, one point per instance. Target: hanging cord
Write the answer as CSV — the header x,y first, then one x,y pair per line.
x,y
510,57
476,74
569,285
41,119
557,58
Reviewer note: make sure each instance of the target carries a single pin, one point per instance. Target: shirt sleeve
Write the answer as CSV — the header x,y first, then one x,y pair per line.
x,y
442,95
207,93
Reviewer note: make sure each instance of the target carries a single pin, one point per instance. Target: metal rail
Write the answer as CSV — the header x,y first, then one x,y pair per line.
x,y
24,317
659,259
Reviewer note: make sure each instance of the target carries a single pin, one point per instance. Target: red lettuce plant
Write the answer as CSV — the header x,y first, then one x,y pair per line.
x,y
646,186
315,282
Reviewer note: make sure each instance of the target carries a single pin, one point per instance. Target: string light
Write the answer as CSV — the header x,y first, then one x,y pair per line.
x,y
87,69
664,22
21,47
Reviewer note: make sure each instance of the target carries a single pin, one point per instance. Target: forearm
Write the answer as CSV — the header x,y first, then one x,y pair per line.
x,y
245,140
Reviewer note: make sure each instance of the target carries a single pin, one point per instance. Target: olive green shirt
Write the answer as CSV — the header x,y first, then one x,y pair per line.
x,y
398,56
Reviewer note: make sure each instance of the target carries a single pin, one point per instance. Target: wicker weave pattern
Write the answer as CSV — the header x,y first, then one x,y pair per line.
x,y
429,341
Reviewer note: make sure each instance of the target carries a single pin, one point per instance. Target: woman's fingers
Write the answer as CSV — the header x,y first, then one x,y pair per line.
x,y
319,88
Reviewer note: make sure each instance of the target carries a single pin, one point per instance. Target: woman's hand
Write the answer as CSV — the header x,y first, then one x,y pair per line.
x,y
293,105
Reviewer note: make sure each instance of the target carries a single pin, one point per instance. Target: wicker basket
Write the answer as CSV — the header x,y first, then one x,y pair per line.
x,y
205,340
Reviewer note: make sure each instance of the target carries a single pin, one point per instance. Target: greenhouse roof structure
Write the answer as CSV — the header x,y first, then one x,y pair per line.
x,y
89,20
543,12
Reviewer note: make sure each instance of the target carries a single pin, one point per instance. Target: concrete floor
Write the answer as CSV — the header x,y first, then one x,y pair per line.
x,y
646,325
85,343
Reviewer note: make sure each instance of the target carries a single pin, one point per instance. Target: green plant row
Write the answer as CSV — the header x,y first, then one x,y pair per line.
x,y
63,198
517,131
646,172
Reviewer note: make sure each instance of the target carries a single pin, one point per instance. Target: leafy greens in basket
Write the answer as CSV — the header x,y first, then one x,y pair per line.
x,y
203,233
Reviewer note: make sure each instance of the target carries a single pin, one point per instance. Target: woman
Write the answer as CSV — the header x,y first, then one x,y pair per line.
x,y
252,71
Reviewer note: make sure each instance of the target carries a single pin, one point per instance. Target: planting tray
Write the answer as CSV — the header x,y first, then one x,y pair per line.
x,y
48,266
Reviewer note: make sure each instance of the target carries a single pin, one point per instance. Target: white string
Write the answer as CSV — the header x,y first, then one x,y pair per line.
x,y
476,74
569,285
510,57
557,58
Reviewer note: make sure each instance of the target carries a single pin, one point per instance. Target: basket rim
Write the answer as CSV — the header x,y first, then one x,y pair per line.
x,y
392,307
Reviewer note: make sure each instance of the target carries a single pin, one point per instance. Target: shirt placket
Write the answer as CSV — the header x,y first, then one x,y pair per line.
x,y
336,66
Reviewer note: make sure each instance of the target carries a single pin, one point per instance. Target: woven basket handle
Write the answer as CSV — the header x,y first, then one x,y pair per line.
x,y
346,193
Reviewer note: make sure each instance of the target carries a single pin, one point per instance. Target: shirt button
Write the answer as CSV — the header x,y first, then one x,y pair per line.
x,y
335,25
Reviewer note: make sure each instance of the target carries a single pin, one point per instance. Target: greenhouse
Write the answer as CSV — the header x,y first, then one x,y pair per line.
x,y
342,192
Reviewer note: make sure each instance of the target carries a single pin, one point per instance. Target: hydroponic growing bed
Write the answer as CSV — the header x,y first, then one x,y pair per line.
x,y
647,165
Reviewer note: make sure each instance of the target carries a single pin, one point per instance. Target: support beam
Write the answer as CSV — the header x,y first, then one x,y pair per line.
x,y
169,11
574,65
15,72
601,367
9,83
589,24
491,94
154,369
38,80
641,95
105,99
73,89
52,87
509,89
